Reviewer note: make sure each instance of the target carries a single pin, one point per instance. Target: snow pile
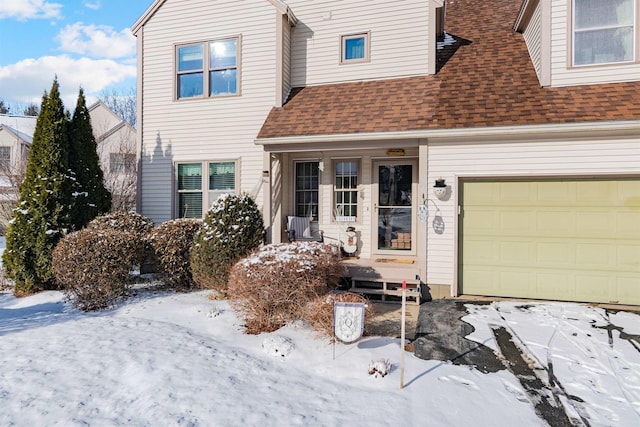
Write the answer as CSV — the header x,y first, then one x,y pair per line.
x,y
183,360
278,345
379,368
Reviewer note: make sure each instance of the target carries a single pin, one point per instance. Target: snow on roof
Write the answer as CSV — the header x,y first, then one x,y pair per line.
x,y
23,126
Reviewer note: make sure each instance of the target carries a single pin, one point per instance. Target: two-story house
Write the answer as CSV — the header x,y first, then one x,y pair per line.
x,y
478,148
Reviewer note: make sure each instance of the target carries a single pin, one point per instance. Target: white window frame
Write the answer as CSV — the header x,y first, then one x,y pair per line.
x,y
207,69
367,47
339,213
574,30
297,192
208,195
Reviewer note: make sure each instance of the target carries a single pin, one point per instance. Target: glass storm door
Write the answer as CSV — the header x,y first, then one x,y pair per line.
x,y
394,205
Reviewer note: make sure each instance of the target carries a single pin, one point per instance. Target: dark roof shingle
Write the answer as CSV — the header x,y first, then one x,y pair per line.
x,y
489,81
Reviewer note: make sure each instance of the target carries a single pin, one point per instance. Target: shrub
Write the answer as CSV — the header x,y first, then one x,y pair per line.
x,y
232,228
137,226
319,312
273,286
42,215
171,243
93,266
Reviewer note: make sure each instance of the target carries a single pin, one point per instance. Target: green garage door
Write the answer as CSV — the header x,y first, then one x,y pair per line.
x,y
573,240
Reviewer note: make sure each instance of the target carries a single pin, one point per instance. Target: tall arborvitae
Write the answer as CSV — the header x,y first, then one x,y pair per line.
x,y
42,214
90,198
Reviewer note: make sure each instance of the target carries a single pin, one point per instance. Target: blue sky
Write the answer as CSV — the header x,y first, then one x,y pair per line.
x,y
86,43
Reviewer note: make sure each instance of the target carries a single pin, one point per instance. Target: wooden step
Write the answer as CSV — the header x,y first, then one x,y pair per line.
x,y
387,287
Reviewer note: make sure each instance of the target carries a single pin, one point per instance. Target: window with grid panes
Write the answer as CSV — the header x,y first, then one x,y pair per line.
x,y
307,180
346,190
190,190
5,158
222,179
207,69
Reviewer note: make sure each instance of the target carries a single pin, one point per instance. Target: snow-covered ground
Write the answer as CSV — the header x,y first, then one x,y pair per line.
x,y
166,359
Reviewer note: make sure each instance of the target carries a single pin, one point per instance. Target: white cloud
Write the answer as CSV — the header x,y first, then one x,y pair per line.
x,y
93,5
29,9
99,41
27,80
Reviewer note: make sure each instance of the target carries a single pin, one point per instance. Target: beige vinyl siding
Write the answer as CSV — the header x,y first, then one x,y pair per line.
x,y
563,74
286,59
533,39
208,129
398,39
545,158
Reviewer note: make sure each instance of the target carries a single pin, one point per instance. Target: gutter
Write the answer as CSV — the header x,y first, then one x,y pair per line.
x,y
627,126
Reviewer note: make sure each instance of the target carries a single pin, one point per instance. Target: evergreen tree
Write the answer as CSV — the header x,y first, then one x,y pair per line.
x,y
89,198
42,214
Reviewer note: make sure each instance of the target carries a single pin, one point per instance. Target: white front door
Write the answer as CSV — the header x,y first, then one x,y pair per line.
x,y
394,191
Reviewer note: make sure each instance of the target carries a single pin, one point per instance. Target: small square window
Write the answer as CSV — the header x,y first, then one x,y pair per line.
x,y
354,48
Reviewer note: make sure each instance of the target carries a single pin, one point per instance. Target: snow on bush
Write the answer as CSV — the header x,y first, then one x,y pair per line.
x,y
232,228
137,226
93,266
274,285
171,242
379,368
277,346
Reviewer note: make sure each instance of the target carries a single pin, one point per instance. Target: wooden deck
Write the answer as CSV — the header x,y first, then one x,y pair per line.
x,y
381,278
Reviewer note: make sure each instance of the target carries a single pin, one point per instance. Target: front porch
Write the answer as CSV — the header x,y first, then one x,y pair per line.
x,y
381,278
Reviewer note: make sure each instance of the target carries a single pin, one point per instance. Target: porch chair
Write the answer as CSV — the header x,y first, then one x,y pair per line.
x,y
299,229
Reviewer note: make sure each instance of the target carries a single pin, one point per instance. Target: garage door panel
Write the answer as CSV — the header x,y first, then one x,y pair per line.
x,y
515,252
519,193
595,287
627,290
628,258
513,282
552,222
553,285
596,224
551,194
597,255
628,225
553,254
552,239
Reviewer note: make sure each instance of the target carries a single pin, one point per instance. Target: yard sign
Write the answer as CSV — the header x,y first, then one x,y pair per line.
x,y
348,321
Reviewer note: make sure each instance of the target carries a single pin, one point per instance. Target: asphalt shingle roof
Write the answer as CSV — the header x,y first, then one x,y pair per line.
x,y
489,80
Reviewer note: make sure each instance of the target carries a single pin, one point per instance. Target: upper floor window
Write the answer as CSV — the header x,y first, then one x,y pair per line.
x,y
603,31
208,68
354,48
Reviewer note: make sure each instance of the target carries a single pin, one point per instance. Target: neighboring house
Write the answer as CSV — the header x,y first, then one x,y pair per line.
x,y
116,147
525,115
15,140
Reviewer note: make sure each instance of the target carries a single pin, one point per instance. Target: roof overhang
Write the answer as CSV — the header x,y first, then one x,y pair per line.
x,y
284,9
563,130
524,15
281,6
146,16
